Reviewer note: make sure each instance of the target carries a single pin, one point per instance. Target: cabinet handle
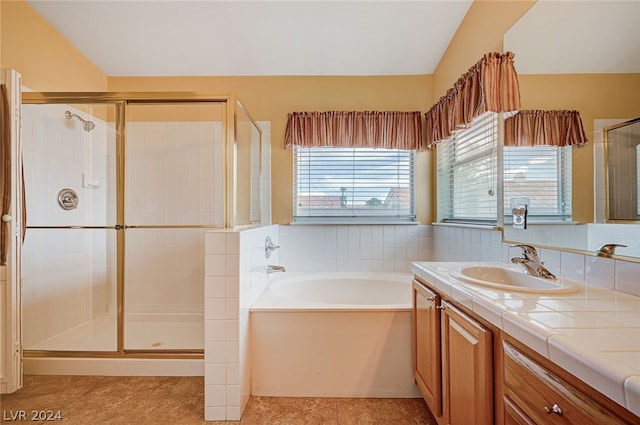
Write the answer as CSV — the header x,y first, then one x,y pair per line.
x,y
431,298
553,409
441,307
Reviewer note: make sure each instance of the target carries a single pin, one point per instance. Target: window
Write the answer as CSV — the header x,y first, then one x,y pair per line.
x,y
468,174
542,174
356,184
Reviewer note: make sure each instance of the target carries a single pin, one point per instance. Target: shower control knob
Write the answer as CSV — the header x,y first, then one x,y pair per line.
x,y
6,218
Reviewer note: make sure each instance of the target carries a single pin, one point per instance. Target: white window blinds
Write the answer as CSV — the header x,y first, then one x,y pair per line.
x,y
467,173
543,175
468,176
354,183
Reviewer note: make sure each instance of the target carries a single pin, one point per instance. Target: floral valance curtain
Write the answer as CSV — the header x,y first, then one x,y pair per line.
x,y
489,85
355,129
544,128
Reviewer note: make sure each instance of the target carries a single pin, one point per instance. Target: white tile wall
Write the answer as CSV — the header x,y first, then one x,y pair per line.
x,y
624,234
459,243
566,235
367,248
174,172
235,274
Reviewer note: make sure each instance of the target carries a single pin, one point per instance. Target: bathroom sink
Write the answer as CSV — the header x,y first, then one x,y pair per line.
x,y
510,280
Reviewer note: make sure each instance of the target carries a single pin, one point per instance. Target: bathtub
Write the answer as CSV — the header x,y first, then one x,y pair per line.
x,y
333,335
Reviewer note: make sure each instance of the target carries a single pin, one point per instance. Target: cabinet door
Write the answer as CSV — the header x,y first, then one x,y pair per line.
x,y
467,371
426,346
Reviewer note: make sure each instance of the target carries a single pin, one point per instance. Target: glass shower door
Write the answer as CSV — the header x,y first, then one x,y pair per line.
x,y
69,255
174,192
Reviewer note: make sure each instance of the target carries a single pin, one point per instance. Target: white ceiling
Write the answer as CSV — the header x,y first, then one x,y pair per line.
x,y
568,37
215,37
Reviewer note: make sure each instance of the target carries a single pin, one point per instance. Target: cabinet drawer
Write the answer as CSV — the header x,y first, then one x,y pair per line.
x,y
545,398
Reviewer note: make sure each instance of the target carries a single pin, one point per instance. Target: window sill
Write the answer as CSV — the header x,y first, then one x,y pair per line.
x,y
469,226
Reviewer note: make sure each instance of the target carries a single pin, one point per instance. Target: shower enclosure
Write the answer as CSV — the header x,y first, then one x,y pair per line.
x,y
120,189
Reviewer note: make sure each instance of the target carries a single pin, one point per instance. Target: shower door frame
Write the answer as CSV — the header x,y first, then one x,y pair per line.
x,y
121,100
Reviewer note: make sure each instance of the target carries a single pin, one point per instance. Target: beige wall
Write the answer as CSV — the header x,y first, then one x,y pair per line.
x,y
272,98
44,58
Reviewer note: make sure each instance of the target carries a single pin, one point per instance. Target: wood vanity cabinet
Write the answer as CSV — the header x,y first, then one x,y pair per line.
x,y
470,372
453,362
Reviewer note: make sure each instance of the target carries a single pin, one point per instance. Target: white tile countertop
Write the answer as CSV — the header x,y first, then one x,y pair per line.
x,y
593,333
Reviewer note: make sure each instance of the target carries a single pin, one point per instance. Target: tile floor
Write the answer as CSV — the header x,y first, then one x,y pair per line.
x,y
115,400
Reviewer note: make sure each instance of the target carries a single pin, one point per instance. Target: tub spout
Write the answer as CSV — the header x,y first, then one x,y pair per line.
x,y
274,269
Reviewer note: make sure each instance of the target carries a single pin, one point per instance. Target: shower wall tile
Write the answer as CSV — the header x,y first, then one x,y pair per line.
x,y
174,172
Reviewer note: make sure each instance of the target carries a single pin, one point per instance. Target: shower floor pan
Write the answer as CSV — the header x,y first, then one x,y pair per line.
x,y
142,332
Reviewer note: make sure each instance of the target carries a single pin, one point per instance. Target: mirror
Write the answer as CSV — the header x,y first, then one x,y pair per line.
x,y
583,56
622,152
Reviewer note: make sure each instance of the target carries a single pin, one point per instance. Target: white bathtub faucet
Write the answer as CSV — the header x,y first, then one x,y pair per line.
x,y
274,269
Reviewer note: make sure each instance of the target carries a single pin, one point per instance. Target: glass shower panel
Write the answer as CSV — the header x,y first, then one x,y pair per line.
x,y
174,164
248,175
164,295
69,255
69,290
174,191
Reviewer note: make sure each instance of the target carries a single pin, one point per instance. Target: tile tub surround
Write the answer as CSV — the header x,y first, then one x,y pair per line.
x,y
235,275
354,247
594,333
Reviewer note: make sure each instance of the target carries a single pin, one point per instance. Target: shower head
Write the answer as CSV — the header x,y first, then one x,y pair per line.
x,y
87,125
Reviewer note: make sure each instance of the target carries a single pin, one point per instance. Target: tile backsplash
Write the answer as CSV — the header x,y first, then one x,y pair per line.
x,y
354,248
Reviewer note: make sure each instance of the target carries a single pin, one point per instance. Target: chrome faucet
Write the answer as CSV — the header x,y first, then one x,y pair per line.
x,y
607,250
269,247
274,269
531,262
